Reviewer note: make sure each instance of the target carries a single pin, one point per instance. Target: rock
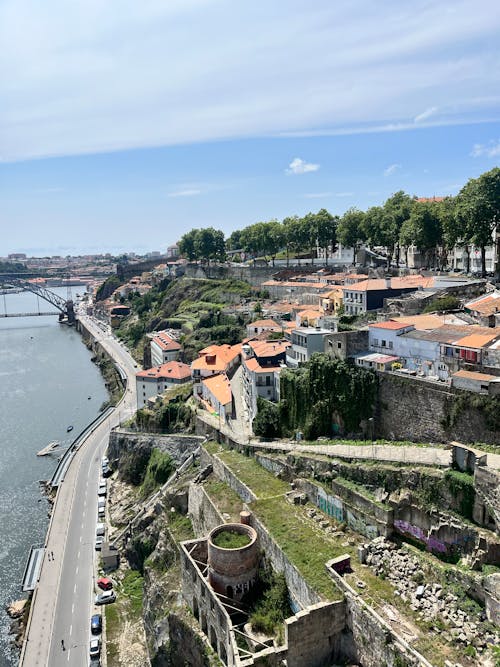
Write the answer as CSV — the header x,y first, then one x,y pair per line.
x,y
16,608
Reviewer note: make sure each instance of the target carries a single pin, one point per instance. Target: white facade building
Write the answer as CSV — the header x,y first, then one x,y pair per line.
x,y
164,348
154,381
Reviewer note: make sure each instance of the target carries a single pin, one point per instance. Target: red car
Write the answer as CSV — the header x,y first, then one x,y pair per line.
x,y
105,584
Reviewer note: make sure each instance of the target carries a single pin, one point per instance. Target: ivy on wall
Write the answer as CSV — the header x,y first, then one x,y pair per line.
x,y
326,394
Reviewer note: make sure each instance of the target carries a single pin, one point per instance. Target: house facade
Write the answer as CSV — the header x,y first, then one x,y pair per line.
x,y
164,348
154,381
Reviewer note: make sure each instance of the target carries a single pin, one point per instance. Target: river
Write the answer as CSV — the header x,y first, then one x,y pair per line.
x,y
46,377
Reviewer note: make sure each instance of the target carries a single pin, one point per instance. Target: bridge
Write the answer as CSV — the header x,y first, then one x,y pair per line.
x,y
64,306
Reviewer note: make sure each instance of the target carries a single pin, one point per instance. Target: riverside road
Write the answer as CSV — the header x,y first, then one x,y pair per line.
x,y
63,600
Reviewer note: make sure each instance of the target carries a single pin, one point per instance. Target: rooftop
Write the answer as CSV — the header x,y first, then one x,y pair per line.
x,y
171,370
253,365
474,375
164,341
477,340
220,387
264,324
268,348
391,325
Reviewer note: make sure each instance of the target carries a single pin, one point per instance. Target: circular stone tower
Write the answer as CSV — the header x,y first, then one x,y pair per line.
x,y
233,559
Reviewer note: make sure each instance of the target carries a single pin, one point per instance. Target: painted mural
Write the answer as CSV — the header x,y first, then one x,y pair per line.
x,y
334,507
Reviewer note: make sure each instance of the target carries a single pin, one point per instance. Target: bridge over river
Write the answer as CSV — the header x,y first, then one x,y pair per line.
x,y
64,307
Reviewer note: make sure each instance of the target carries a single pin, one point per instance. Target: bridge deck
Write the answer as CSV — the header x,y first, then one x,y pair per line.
x,y
52,312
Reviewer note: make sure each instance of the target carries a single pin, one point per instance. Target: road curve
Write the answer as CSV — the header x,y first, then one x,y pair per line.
x,y
63,600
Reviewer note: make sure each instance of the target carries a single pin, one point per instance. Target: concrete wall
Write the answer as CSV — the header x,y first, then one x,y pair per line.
x,y
123,442
202,512
345,344
255,276
313,636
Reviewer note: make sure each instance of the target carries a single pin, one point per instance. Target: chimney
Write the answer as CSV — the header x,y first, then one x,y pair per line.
x,y
388,282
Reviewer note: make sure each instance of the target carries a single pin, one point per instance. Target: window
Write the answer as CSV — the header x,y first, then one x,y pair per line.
x,y
390,344
339,345
375,342
384,343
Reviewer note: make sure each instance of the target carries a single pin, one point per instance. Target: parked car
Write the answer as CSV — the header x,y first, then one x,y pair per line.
x,y
107,472
102,491
95,648
105,598
104,583
104,461
96,624
100,530
98,543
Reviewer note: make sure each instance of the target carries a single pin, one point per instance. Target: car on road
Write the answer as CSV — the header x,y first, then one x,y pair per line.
x,y
96,624
105,598
98,543
104,583
102,489
95,648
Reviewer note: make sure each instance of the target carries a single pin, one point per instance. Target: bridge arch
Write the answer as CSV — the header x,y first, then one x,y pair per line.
x,y
65,307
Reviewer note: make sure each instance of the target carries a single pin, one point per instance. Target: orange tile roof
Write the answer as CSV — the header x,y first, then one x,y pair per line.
x,y
392,325
396,283
489,305
172,369
474,375
253,365
216,357
422,322
166,342
311,312
220,387
424,200
265,324
476,340
268,348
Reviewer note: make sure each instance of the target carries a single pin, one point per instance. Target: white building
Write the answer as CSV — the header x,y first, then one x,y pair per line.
x,y
164,348
217,395
154,381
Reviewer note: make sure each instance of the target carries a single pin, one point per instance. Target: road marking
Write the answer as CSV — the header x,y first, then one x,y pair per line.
x,y
76,571
74,589
71,629
78,554
73,609
69,650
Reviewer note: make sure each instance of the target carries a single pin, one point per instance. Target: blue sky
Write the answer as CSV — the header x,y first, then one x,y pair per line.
x,y
125,124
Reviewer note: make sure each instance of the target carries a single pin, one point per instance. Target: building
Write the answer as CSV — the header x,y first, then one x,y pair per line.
x,y
369,294
376,362
173,251
305,342
346,344
311,317
481,383
262,362
485,308
260,326
333,301
154,381
217,396
164,348
215,359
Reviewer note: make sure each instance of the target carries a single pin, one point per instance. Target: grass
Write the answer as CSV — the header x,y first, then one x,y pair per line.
x,y
359,489
369,443
263,483
225,499
180,526
229,539
132,588
112,634
304,544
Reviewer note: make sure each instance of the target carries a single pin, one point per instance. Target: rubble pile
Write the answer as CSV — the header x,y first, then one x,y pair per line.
x,y
430,600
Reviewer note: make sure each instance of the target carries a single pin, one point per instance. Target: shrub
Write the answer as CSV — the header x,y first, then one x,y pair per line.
x,y
267,421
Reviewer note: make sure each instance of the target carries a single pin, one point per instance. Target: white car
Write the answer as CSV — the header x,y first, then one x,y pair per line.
x,y
100,530
98,543
102,488
95,648
104,461
105,598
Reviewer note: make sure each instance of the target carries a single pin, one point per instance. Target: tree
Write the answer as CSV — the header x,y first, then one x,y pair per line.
x,y
397,211
273,238
350,229
234,240
267,421
478,209
423,229
209,244
326,230
295,235
309,232
187,245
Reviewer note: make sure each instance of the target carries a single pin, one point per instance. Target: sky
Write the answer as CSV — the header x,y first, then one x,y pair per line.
x,y
125,124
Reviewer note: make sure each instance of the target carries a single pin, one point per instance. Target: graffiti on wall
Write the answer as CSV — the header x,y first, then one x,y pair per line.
x,y
330,505
417,533
334,507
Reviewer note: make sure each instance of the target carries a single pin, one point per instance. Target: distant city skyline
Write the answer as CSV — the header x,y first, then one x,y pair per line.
x,y
124,126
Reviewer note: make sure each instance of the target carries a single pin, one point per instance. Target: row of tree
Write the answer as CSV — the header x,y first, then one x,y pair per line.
x,y
434,226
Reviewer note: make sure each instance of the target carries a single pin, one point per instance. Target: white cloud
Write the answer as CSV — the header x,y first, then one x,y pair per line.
x,y
344,194
491,149
299,166
188,192
391,169
431,111
318,195
88,76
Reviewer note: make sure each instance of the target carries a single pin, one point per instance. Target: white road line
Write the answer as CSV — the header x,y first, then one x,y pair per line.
x,y
76,571
69,650
74,589
71,629
78,554
73,609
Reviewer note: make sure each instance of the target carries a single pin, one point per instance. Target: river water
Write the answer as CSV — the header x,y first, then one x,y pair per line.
x,y
46,377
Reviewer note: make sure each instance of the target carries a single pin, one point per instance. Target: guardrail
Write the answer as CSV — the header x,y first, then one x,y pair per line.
x,y
62,466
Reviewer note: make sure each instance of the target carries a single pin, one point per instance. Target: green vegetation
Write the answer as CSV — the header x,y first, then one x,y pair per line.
x,y
267,421
112,634
226,500
271,603
12,267
263,483
230,539
180,526
443,303
326,395
108,287
132,588
170,415
461,485
306,547
456,409
160,467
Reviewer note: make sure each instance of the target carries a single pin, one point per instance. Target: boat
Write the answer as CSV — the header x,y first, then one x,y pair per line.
x,y
49,448
88,398
70,428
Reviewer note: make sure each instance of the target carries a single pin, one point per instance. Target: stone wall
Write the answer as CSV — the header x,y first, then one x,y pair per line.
x,y
371,641
202,512
253,275
486,511
226,475
416,410
345,505
313,636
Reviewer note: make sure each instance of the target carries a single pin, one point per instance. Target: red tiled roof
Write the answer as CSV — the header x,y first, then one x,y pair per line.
x,y
476,340
165,342
216,357
220,387
391,325
473,375
264,324
253,365
268,348
172,369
